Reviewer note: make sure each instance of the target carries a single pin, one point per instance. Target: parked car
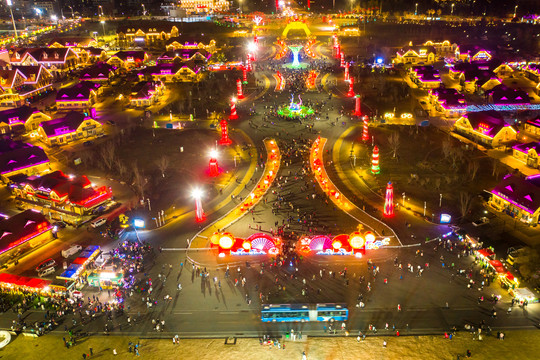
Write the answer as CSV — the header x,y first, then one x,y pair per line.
x,y
98,222
482,221
46,264
46,271
72,250
60,224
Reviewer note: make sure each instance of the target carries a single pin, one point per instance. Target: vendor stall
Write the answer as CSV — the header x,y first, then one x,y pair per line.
x,y
16,283
509,281
524,294
105,279
485,254
497,266
78,266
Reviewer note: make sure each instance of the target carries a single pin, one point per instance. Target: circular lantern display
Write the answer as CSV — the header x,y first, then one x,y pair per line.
x,y
246,245
226,242
337,244
370,237
357,241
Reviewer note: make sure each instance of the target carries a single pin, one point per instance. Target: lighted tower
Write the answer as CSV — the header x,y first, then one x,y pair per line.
x,y
346,71
213,168
357,110
375,169
389,200
240,93
351,90
295,50
234,114
225,140
244,75
365,134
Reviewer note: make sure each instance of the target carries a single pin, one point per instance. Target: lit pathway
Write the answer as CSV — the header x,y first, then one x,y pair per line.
x,y
316,162
200,240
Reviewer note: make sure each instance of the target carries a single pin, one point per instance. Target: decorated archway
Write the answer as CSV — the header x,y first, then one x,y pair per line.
x,y
296,25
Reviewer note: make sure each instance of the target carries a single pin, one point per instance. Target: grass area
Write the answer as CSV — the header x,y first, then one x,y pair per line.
x,y
428,163
398,348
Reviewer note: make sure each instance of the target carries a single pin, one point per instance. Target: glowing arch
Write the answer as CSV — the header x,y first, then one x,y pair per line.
x,y
296,25
320,243
261,241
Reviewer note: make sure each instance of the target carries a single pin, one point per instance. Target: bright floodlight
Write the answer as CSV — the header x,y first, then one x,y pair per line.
x,y
197,193
252,47
54,17
213,153
233,99
102,21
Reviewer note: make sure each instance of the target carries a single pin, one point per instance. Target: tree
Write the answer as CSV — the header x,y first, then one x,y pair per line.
x,y
163,164
465,201
393,141
446,148
473,169
108,154
138,181
496,168
455,155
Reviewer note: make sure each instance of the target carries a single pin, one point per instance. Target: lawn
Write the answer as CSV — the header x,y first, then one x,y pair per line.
x,y
398,348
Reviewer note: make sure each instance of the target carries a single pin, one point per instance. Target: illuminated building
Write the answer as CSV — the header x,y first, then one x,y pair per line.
x,y
532,126
518,197
503,95
172,72
425,77
60,194
145,33
204,6
442,47
17,157
99,72
146,93
22,233
191,43
448,101
10,83
21,119
528,153
128,59
486,128
80,96
56,60
472,53
415,55
22,83
73,126
198,56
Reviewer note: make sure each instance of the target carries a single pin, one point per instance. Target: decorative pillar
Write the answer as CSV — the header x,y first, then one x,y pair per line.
x,y
351,90
233,115
346,71
389,200
244,75
240,93
357,110
375,169
225,140
365,135
342,61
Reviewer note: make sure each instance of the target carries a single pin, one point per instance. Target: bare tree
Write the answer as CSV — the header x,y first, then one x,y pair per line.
x,y
163,164
465,201
438,183
496,168
138,181
473,169
456,154
108,154
393,141
446,148
121,167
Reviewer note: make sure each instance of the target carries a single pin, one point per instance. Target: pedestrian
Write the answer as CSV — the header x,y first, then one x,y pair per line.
x,y
114,352
304,357
84,356
91,352
384,344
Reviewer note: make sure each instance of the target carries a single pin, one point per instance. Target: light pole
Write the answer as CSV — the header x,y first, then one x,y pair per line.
x,y
103,27
424,208
72,14
416,9
403,199
10,4
515,10
440,200
144,9
452,13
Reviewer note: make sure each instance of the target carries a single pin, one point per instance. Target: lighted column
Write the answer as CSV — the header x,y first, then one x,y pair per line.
x,y
389,200
244,75
233,115
239,92
375,169
357,110
351,90
199,212
295,50
213,168
342,61
346,71
225,140
365,135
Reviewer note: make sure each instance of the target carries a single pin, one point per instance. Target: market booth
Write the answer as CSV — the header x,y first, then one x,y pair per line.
x,y
522,294
485,255
75,269
105,279
509,281
16,283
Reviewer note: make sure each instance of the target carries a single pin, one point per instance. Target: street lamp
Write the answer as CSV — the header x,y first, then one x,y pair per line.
x,y
452,9
38,12
72,14
103,27
515,10
10,4
416,9
199,212
144,9
403,199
